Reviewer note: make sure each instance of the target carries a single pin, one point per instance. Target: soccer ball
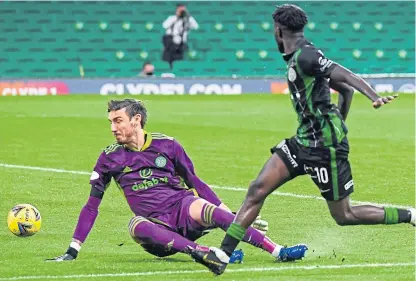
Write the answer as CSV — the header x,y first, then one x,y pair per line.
x,y
24,220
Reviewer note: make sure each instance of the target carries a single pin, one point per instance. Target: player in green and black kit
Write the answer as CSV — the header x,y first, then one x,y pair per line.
x,y
320,146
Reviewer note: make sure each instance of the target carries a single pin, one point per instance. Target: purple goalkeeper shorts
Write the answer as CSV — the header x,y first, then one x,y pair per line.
x,y
179,220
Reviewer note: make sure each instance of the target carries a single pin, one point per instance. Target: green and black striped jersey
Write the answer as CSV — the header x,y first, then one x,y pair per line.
x,y
308,71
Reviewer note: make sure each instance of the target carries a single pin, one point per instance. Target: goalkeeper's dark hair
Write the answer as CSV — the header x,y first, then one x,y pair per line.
x,y
291,17
133,107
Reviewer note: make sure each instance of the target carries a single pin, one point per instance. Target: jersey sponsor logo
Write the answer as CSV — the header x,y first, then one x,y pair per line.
x,y
291,74
146,173
146,184
160,161
349,184
322,60
94,175
282,145
148,181
325,63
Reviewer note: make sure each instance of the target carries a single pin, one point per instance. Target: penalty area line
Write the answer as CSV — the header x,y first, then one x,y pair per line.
x,y
230,270
239,189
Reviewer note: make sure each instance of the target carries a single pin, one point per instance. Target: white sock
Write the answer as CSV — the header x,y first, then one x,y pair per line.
x,y
75,245
276,250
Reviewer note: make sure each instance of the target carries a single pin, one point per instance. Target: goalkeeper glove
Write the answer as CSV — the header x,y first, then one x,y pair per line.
x,y
259,224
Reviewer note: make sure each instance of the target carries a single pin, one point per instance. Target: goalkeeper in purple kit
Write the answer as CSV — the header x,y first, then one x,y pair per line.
x,y
169,218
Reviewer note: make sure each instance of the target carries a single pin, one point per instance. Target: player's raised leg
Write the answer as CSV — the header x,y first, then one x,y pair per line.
x,y
345,214
332,174
273,174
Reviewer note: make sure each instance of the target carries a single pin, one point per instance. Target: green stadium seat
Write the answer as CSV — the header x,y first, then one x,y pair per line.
x,y
47,39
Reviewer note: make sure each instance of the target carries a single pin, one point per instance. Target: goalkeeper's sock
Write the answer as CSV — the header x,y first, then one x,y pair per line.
x,y
395,215
73,249
271,247
213,215
149,233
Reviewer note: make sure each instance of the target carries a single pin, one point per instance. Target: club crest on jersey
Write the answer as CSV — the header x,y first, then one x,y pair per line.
x,y
160,161
291,74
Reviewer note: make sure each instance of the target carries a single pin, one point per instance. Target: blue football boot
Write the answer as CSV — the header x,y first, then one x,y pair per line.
x,y
296,252
237,256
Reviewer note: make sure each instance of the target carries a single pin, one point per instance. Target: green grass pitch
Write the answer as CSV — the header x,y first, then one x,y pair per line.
x,y
228,138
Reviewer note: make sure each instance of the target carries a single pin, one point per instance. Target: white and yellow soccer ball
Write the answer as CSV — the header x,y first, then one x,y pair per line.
x,y
24,220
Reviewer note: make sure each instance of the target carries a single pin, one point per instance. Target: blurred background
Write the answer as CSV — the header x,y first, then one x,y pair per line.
x,y
68,39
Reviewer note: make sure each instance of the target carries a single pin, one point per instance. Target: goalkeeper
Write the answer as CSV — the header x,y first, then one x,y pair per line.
x,y
148,168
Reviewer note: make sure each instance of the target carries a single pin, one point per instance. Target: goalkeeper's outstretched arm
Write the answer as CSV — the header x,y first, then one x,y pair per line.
x,y
85,223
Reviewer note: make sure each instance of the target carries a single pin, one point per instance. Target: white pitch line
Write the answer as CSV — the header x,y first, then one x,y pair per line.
x,y
44,169
288,194
247,269
276,193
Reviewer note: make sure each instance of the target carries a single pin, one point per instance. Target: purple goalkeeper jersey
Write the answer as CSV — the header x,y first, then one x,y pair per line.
x,y
150,178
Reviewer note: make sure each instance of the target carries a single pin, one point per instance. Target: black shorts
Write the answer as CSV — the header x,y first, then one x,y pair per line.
x,y
328,167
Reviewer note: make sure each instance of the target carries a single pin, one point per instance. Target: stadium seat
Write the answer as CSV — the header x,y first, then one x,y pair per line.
x,y
233,37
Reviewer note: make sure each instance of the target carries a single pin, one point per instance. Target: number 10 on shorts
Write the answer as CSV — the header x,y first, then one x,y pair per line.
x,y
322,174
318,173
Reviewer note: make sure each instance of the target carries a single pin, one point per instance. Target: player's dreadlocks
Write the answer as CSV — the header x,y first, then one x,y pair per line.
x,y
290,16
132,106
